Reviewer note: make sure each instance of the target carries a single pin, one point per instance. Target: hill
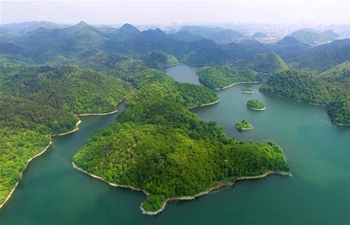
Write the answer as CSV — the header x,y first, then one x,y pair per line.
x,y
312,36
186,36
338,73
150,151
312,89
265,63
43,24
221,77
258,35
323,57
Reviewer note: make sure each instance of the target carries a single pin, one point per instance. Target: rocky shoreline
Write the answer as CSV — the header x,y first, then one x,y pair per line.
x,y
108,113
61,134
262,109
216,187
248,82
182,198
341,124
68,132
211,103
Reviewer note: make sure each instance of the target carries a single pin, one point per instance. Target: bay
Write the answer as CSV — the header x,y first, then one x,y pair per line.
x,y
318,151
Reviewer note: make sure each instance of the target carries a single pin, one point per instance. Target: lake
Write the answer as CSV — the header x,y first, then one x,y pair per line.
x,y
318,152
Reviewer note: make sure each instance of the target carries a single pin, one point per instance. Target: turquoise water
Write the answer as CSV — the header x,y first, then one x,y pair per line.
x,y
52,192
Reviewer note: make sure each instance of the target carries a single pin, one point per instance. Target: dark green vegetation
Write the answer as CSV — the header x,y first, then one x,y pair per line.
x,y
16,147
339,111
100,48
331,89
256,105
243,125
218,77
265,63
40,101
338,73
298,85
159,146
247,90
50,72
159,60
323,57
159,84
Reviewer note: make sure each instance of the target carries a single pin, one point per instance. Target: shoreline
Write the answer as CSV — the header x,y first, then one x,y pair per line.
x,y
213,188
68,132
28,161
202,193
256,109
340,124
309,103
211,103
314,104
231,85
247,92
109,183
107,113
55,135
244,129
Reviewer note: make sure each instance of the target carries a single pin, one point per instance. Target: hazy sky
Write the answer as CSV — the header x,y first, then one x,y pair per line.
x,y
165,12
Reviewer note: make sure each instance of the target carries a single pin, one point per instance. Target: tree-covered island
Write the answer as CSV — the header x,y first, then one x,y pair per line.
x,y
255,105
247,90
243,125
161,148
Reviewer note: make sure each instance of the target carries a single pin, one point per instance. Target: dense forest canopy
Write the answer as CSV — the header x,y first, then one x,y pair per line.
x,y
332,91
255,105
218,77
39,101
243,125
265,63
156,139
49,73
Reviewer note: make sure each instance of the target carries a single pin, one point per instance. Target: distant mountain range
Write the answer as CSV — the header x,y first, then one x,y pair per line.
x,y
84,45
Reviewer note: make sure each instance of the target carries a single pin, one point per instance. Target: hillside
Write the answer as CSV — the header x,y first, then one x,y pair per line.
x,y
312,89
221,77
265,63
149,151
297,85
323,57
338,72
313,37
37,102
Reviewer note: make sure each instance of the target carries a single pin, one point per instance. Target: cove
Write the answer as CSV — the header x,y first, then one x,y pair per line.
x,y
53,192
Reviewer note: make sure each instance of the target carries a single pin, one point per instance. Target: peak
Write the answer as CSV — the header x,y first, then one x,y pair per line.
x,y
128,26
78,26
82,24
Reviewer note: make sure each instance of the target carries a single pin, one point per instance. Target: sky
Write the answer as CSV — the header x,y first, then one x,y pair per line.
x,y
167,12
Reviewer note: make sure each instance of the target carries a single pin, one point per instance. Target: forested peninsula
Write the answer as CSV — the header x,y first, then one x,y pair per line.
x,y
222,77
158,146
51,75
329,91
39,102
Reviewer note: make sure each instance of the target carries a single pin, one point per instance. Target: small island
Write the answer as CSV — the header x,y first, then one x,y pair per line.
x,y
255,105
244,125
247,90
